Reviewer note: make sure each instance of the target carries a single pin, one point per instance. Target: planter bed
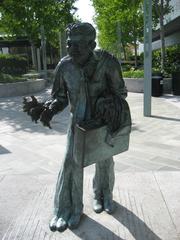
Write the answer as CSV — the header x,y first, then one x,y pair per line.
x,y
21,88
137,85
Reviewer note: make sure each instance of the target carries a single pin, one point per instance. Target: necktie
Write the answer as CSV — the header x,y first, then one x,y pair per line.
x,y
82,99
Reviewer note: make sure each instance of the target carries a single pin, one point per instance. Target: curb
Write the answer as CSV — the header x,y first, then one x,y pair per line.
x,y
137,85
22,88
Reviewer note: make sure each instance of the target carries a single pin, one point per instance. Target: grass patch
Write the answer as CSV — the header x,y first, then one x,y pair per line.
x,y
8,78
133,74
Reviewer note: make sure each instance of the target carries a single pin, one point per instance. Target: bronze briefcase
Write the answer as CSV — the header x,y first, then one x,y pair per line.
x,y
93,145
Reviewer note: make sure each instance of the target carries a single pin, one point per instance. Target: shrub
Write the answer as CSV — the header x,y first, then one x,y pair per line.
x,y
126,67
7,78
134,74
172,59
13,64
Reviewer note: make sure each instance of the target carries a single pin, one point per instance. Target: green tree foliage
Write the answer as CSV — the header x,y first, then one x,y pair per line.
x,y
160,9
25,17
172,59
119,22
13,64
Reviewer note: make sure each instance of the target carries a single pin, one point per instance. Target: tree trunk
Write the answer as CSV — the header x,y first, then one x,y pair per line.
x,y
62,44
38,60
51,55
124,51
34,57
44,55
119,41
135,52
135,44
162,36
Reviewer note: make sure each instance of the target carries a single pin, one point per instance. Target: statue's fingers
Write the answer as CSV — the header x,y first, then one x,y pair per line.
x,y
24,100
33,98
24,109
32,118
49,125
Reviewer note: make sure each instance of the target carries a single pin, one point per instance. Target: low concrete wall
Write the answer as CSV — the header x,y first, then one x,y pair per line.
x,y
32,86
137,85
167,85
21,88
134,84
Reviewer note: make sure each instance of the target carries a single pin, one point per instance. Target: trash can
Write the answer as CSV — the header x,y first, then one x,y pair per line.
x,y
176,83
157,85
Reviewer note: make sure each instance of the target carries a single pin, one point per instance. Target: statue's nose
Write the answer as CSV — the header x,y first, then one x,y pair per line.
x,y
75,48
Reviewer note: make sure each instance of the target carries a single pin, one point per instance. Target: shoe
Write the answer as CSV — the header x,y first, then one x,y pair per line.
x,y
52,224
109,205
97,206
61,225
74,221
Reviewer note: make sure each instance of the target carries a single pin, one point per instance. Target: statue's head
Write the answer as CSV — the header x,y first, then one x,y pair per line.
x,y
80,41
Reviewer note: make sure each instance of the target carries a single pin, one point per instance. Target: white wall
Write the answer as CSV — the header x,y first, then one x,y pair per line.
x,y
175,13
169,40
5,50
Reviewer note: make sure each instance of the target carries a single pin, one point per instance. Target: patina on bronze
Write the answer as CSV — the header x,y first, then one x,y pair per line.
x,y
90,81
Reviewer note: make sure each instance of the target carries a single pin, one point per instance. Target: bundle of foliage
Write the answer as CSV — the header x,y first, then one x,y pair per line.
x,y
172,59
8,78
134,74
160,9
26,18
119,24
13,64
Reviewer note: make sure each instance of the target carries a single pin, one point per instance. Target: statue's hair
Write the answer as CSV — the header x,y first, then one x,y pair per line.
x,y
85,29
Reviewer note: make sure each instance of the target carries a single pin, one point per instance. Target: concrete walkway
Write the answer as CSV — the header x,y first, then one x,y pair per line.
x,y
146,193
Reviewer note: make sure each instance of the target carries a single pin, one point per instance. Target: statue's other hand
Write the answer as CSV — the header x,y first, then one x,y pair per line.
x,y
29,104
35,112
104,106
99,111
46,117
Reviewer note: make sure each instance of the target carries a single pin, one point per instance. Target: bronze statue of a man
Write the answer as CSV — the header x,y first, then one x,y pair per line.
x,y
88,80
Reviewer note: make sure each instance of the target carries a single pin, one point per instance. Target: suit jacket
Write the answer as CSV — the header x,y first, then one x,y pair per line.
x,y
101,73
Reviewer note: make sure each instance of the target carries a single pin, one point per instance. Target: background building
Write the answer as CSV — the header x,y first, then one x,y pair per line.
x,y
172,27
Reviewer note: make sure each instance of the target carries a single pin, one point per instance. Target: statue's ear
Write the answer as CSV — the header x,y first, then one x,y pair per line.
x,y
92,45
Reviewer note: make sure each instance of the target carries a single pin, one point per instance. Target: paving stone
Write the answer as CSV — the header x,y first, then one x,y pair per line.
x,y
3,150
147,202
166,168
166,161
133,218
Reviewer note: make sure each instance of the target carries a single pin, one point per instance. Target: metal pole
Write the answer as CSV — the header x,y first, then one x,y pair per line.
x,y
147,56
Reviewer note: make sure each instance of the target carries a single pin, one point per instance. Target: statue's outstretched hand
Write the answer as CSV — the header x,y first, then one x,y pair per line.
x,y
36,112
29,104
46,117
33,107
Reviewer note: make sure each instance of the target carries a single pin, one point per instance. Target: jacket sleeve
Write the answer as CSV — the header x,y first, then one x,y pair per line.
x,y
114,77
59,99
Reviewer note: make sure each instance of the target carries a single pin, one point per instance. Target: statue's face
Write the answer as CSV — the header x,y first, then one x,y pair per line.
x,y
79,49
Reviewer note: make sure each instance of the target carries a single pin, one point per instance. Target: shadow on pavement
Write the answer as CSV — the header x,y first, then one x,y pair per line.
x,y
91,229
174,98
11,115
166,118
3,150
138,228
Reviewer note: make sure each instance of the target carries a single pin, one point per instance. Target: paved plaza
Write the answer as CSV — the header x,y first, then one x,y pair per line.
x,y
147,187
